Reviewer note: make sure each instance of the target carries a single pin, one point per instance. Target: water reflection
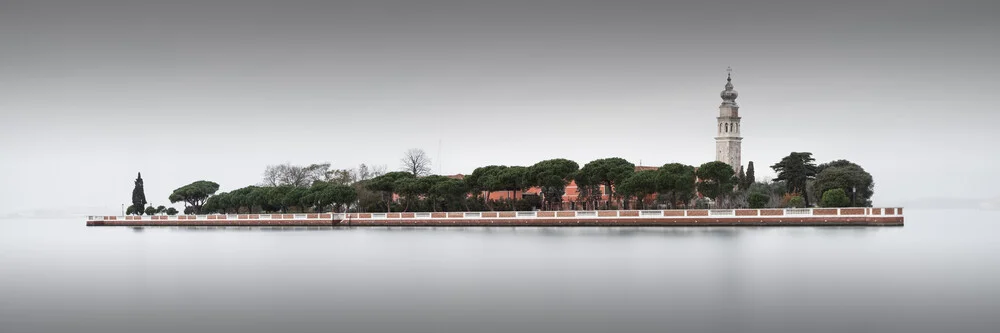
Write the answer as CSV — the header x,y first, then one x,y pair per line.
x,y
60,276
548,231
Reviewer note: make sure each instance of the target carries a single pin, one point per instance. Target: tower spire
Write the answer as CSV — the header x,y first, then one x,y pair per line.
x,y
728,140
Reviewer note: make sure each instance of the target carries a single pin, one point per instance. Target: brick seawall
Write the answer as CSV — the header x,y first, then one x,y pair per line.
x,y
737,217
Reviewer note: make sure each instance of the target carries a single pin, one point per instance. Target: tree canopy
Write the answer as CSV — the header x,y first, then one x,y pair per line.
x,y
194,195
639,185
796,170
317,188
717,179
676,182
607,171
552,177
387,185
848,176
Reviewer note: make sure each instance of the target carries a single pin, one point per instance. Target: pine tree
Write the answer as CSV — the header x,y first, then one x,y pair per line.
x,y
138,196
796,169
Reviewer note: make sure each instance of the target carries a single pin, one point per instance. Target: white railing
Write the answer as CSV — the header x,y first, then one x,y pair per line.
x,y
690,213
721,212
798,211
652,213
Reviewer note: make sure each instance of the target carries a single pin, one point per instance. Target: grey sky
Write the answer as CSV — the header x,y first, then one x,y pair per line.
x,y
93,91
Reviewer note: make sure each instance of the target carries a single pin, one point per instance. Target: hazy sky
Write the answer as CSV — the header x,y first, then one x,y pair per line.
x,y
93,91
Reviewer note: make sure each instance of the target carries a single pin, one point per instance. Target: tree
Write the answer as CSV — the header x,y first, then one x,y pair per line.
x,y
676,182
850,177
131,210
513,179
367,199
741,179
276,198
294,175
150,210
749,180
758,199
486,179
160,210
138,195
341,195
212,204
717,179
243,197
387,185
796,170
194,195
365,172
772,190
835,198
552,177
296,197
588,190
608,172
416,162
410,189
449,194
639,185
171,211
341,177
261,196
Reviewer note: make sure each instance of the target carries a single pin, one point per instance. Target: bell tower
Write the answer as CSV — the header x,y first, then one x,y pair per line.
x,y
728,140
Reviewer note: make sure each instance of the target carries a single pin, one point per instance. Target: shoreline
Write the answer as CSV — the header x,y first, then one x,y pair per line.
x,y
856,216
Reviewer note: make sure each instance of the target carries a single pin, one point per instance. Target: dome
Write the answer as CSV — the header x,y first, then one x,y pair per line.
x,y
729,95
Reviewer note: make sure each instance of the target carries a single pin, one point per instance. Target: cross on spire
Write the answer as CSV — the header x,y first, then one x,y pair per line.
x,y
729,72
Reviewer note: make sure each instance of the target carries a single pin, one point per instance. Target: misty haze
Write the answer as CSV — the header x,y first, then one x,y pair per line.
x,y
93,92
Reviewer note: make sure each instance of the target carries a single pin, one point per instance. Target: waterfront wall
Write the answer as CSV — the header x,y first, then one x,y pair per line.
x,y
690,217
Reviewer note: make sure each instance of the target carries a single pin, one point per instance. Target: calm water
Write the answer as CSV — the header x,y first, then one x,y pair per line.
x,y
939,273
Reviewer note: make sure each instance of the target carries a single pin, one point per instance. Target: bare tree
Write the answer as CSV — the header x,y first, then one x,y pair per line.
x,y
273,174
416,162
365,172
294,175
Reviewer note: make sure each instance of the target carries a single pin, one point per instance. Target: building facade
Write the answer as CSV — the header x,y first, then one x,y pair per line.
x,y
728,140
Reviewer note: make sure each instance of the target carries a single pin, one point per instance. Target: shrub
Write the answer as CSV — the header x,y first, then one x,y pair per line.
x,y
796,202
758,200
835,198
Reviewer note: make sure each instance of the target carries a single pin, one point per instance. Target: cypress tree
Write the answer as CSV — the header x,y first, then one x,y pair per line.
x,y
138,196
749,177
741,179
